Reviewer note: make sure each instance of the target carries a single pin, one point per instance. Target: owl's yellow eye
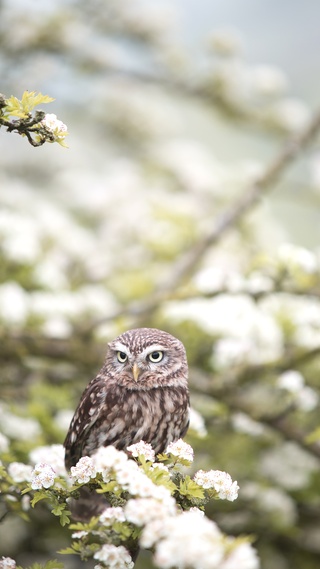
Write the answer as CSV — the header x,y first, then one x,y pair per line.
x,y
122,357
155,357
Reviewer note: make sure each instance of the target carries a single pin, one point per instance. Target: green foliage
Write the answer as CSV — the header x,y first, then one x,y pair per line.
x,y
190,489
38,127
52,564
22,109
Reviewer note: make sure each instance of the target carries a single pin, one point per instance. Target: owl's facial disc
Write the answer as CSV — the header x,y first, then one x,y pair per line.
x,y
146,359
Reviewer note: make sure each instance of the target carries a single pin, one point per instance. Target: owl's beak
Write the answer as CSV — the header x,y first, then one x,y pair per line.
x,y
135,371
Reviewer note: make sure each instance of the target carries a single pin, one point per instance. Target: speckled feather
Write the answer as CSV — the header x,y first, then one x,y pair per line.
x,y
119,410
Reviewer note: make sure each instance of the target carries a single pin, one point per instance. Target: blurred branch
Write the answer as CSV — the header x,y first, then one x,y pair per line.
x,y
228,219
280,422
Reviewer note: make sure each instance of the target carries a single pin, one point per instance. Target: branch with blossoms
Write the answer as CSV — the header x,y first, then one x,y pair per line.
x,y
152,504
40,127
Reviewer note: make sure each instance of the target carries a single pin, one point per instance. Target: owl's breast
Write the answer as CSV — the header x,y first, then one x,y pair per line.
x,y
157,416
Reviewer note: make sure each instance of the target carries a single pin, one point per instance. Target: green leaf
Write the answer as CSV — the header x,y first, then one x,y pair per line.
x,y
190,489
37,497
67,551
30,100
64,518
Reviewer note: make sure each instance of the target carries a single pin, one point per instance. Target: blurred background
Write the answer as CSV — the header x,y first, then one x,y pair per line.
x,y
174,110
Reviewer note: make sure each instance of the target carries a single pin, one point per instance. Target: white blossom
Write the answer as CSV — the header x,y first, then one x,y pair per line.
x,y
83,470
79,534
243,556
25,503
244,424
54,126
268,80
189,540
143,510
139,485
43,476
181,450
50,454
112,514
7,563
4,443
13,303
291,380
289,466
160,466
196,423
220,481
125,472
298,257
20,472
107,459
20,428
142,448
289,114
231,351
235,317
152,532
113,556
307,399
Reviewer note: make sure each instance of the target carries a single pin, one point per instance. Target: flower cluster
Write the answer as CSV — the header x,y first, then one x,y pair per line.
x,y
191,540
83,471
43,476
55,127
181,450
142,448
220,481
146,490
113,556
7,563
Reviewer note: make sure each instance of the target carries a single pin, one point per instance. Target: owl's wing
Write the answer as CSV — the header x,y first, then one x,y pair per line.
x,y
92,403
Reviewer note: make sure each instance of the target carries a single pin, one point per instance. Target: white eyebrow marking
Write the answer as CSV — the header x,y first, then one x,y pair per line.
x,y
150,349
119,347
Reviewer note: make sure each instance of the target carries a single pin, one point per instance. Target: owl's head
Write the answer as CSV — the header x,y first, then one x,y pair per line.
x,y
145,358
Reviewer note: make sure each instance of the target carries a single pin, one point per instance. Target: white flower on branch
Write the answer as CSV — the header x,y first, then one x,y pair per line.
x,y
79,534
54,126
43,476
142,448
113,556
108,458
112,514
84,470
143,510
220,481
181,450
50,454
189,540
241,557
20,472
7,563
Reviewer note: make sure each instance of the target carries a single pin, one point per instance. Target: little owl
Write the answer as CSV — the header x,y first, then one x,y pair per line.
x,y
141,393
